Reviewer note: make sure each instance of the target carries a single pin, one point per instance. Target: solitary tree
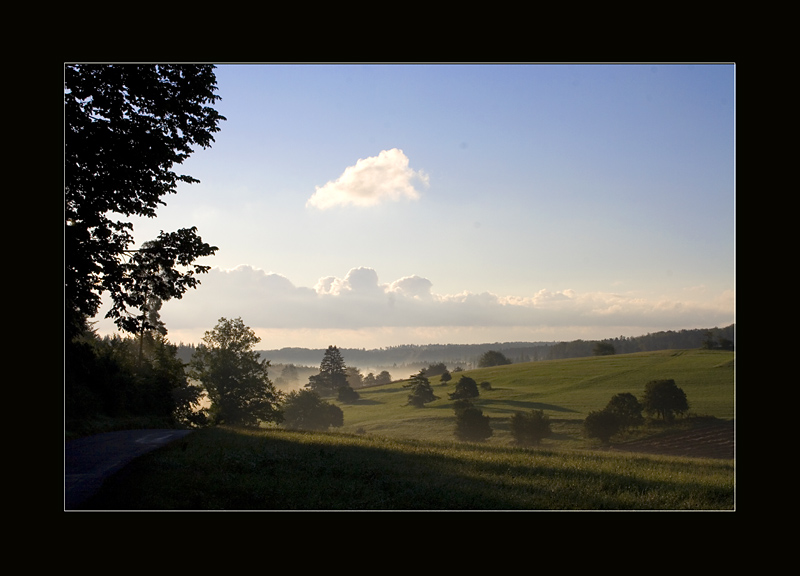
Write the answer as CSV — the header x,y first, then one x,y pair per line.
x,y
235,377
125,128
493,358
663,397
332,373
531,427
466,387
305,410
421,390
383,378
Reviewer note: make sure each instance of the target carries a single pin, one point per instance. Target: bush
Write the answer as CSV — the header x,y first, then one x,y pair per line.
x,y
305,410
471,424
530,428
601,424
486,385
347,394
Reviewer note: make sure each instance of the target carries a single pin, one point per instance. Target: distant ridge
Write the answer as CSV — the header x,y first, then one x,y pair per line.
x,y
467,355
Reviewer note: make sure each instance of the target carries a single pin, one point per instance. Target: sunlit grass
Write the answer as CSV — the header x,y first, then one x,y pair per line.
x,y
566,390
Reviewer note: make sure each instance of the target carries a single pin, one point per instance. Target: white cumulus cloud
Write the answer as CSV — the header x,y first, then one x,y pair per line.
x,y
386,177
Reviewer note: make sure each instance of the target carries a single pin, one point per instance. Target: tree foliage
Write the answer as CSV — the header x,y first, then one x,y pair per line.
x,y
603,348
421,390
235,377
663,397
119,379
332,373
305,410
466,387
529,428
493,358
601,424
126,127
627,409
471,424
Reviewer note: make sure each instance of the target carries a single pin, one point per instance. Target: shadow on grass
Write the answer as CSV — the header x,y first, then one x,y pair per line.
x,y
283,471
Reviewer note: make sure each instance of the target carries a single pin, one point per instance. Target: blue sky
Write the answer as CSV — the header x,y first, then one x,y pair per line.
x,y
375,205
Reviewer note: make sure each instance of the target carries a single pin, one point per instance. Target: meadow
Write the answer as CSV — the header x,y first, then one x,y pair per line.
x,y
566,390
390,456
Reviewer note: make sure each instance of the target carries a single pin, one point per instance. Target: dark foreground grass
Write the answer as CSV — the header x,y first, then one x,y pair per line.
x,y
230,469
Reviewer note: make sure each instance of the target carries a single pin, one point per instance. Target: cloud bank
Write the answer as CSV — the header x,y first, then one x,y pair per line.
x,y
382,178
359,302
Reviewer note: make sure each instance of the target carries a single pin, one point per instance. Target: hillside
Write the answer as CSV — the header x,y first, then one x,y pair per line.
x,y
566,390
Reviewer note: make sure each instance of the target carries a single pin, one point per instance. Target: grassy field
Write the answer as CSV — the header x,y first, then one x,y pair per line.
x,y
227,469
566,390
389,456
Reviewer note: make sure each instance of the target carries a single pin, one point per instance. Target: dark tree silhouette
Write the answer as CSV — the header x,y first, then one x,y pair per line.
x,y
332,373
235,377
493,358
126,127
663,397
421,390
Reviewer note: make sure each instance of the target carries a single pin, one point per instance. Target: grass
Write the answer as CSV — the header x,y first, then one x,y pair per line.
x,y
389,456
232,469
566,390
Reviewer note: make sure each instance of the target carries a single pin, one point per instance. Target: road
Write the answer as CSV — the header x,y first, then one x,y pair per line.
x,y
89,461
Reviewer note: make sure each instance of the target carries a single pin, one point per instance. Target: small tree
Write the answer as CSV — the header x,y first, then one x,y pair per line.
x,y
663,397
530,428
445,377
421,390
383,378
466,387
601,424
627,409
471,424
493,358
305,410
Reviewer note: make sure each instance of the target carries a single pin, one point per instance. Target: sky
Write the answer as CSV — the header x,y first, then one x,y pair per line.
x,y
367,206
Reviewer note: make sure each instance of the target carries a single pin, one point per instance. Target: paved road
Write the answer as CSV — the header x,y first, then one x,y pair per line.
x,y
89,461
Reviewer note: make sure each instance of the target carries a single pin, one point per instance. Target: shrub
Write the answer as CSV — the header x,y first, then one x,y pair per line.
x,y
347,394
601,424
305,410
530,428
471,424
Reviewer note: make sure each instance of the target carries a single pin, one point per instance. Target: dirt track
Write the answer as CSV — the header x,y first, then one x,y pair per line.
x,y
712,441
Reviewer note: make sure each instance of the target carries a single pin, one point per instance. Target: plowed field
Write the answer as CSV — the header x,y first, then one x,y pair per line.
x,y
711,441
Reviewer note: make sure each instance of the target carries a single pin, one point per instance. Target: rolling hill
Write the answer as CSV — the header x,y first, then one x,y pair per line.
x,y
566,390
